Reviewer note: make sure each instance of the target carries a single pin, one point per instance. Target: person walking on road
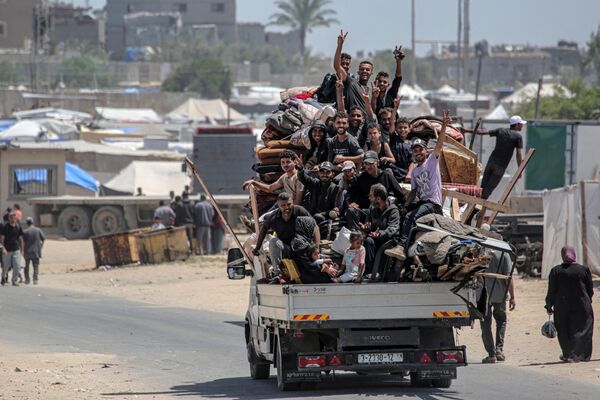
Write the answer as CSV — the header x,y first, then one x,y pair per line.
x,y
11,237
34,239
497,289
217,231
569,298
203,219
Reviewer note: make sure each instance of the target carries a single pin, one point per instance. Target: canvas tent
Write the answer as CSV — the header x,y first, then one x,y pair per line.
x,y
128,115
39,131
201,110
529,92
156,178
498,113
572,217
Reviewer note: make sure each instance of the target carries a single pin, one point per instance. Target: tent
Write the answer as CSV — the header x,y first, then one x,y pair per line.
x,y
156,178
200,110
529,92
54,113
445,90
73,176
129,115
498,113
39,131
572,217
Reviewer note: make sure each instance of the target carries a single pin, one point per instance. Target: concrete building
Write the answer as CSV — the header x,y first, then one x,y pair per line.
x,y
221,13
17,23
151,29
288,41
69,23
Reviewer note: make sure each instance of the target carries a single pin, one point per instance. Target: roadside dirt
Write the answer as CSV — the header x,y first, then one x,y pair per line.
x,y
200,283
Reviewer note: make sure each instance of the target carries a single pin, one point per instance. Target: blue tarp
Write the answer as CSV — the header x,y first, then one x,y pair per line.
x,y
73,175
6,123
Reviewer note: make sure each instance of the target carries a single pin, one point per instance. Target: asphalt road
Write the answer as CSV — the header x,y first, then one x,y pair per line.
x,y
181,352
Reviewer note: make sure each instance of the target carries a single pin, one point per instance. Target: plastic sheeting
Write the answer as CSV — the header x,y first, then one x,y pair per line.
x,y
73,175
572,217
156,178
204,110
129,115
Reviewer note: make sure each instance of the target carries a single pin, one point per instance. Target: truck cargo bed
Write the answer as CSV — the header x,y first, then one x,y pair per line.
x,y
331,303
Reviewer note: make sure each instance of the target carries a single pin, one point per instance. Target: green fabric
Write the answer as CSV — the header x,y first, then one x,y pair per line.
x,y
546,170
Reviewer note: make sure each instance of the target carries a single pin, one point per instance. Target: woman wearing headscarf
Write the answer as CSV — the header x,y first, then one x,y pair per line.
x,y
569,298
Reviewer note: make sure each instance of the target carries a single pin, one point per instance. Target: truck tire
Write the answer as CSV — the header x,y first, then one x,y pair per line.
x,y
443,383
419,382
108,220
282,385
74,223
258,369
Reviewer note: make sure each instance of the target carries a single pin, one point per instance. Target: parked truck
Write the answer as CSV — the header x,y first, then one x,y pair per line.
x,y
405,328
79,217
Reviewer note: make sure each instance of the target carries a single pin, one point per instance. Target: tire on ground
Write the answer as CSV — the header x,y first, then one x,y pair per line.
x,y
108,220
74,222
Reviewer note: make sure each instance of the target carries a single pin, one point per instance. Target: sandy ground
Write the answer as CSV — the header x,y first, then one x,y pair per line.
x,y
201,283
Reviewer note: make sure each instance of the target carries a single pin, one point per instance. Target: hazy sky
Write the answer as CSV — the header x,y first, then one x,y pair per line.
x,y
379,24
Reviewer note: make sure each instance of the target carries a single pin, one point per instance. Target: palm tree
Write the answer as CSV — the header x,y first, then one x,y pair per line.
x,y
303,15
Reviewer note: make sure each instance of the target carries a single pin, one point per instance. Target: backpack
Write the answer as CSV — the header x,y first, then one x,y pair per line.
x,y
326,92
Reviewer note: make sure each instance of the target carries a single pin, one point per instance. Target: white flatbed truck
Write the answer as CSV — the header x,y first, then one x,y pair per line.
x,y
306,330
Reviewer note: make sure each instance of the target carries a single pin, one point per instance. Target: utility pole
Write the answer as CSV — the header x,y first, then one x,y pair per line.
x,y
465,57
459,64
413,63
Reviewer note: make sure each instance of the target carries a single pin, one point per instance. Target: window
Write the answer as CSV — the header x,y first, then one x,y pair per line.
x,y
181,7
2,29
33,180
217,7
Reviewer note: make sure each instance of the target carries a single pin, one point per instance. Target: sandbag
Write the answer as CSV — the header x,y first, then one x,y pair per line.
x,y
342,241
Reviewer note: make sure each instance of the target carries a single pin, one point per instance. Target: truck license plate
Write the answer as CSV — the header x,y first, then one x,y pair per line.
x,y
380,358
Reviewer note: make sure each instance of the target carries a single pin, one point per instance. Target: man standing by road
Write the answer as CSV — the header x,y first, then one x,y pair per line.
x,y
203,217
11,237
507,140
497,290
34,239
165,213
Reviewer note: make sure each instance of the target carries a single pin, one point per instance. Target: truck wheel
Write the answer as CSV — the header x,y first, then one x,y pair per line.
x,y
74,223
281,383
108,220
419,382
258,370
441,383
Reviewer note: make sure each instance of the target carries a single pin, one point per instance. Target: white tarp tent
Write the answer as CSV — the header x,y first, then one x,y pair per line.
x,y
156,178
54,113
529,92
40,130
498,113
572,217
201,110
129,115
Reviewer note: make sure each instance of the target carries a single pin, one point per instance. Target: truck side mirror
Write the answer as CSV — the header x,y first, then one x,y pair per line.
x,y
236,264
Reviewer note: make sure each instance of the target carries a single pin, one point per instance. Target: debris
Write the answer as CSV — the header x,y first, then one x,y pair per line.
x,y
17,369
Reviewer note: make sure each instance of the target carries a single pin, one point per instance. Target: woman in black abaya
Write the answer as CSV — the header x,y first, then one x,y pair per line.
x,y
569,298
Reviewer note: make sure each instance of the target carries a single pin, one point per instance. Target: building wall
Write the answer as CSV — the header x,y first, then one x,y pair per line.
x,y
288,41
69,23
16,22
222,13
29,157
251,34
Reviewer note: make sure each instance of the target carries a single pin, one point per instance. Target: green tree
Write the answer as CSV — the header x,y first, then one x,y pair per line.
x,y
592,56
85,71
304,15
207,76
584,104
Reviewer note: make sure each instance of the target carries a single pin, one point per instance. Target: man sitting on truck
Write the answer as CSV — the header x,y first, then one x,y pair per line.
x,y
383,223
359,190
323,191
283,224
426,183
343,147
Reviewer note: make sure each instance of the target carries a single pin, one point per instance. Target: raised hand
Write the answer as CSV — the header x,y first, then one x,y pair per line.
x,y
339,85
366,97
398,53
341,38
446,120
374,89
396,103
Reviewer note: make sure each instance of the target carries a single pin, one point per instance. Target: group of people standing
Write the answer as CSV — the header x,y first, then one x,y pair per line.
x,y
204,227
17,243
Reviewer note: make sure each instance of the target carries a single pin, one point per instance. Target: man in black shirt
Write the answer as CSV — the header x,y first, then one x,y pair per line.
x,y
382,97
184,216
323,191
358,192
11,237
343,147
282,223
507,140
353,87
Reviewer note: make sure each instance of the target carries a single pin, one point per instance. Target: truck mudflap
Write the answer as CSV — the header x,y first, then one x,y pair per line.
x,y
428,363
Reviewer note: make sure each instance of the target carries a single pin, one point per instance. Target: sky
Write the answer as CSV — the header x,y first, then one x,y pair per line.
x,y
382,24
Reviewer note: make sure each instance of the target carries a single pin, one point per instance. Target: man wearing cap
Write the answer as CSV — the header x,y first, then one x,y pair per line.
x,y
358,193
34,239
11,237
507,140
323,191
344,180
426,184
